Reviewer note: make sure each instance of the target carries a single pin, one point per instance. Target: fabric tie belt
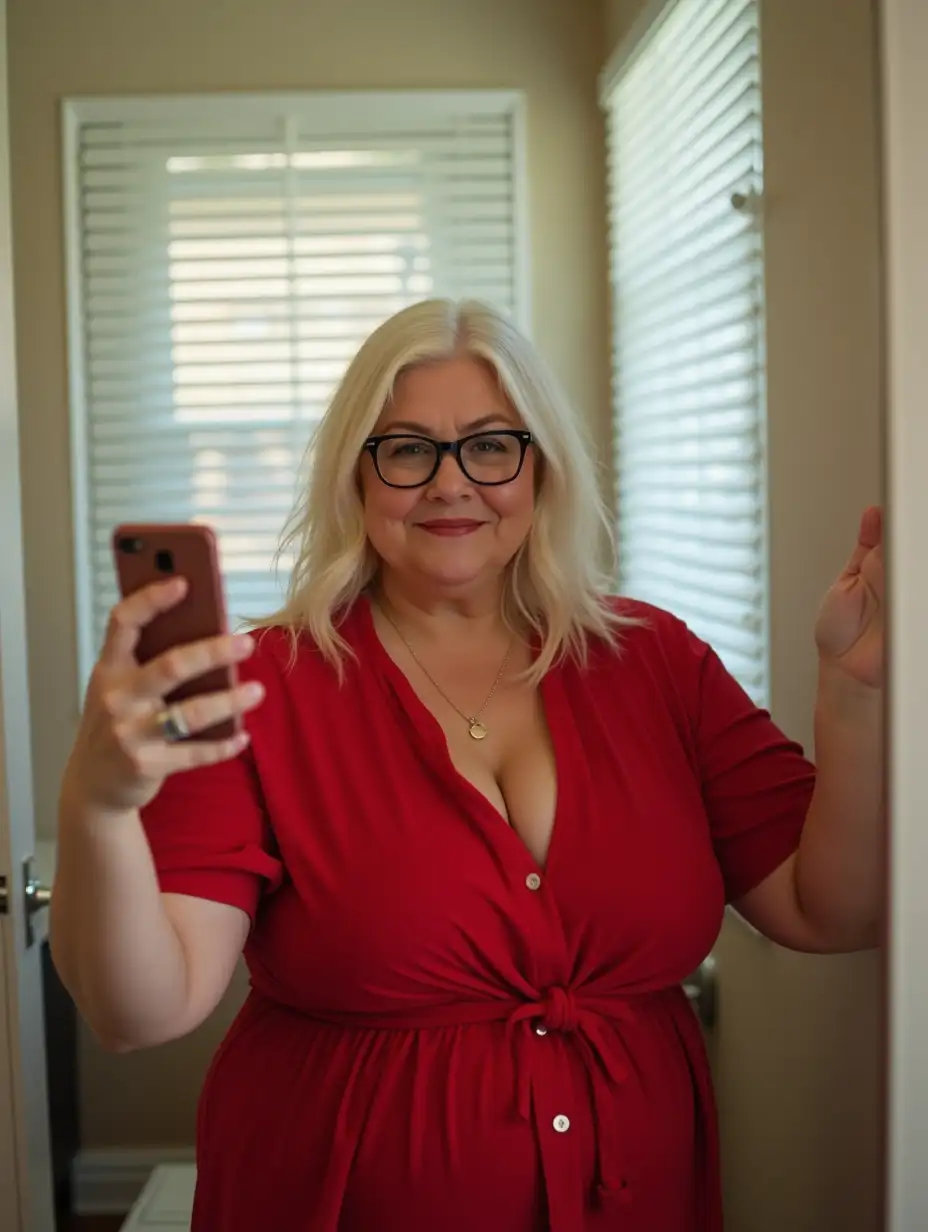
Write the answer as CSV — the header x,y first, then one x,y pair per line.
x,y
589,1022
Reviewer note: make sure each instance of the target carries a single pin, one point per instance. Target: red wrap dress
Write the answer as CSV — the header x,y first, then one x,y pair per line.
x,y
441,1035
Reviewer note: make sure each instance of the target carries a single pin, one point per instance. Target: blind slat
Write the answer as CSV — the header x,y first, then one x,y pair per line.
x,y
489,164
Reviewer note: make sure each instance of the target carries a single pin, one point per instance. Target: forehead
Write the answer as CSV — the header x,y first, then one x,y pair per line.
x,y
458,387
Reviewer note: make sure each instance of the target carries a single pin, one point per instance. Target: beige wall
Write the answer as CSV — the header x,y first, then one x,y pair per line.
x,y
798,1046
549,48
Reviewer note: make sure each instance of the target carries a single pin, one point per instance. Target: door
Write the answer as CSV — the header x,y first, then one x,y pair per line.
x,y
25,1164
905,100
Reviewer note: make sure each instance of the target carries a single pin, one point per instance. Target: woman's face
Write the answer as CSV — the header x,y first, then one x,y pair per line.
x,y
452,533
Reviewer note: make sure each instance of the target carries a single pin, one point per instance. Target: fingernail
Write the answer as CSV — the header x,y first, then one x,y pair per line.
x,y
253,691
244,643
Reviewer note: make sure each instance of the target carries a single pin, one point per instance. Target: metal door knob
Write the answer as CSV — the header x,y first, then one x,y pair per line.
x,y
36,897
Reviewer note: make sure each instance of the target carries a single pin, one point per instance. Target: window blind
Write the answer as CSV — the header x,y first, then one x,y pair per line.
x,y
683,107
227,257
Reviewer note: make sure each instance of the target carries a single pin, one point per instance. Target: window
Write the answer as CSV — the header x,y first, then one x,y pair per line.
x,y
683,109
227,256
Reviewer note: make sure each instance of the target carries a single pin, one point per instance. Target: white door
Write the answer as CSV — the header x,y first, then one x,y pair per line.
x,y
25,1168
905,86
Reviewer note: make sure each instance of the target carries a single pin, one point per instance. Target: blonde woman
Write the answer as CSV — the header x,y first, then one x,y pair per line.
x,y
485,820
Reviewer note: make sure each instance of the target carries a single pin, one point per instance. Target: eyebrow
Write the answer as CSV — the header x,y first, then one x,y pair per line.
x,y
422,430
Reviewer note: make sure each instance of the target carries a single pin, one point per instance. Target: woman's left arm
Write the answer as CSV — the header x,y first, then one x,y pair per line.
x,y
830,895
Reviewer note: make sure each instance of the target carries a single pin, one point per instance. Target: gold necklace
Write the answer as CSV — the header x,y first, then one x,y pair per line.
x,y
476,729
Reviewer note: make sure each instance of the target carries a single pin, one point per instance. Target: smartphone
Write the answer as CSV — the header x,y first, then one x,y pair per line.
x,y
145,552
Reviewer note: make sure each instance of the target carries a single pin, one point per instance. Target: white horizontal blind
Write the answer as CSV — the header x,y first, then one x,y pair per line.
x,y
685,180
229,257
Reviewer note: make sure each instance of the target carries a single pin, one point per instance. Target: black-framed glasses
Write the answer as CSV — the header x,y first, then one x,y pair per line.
x,y
403,460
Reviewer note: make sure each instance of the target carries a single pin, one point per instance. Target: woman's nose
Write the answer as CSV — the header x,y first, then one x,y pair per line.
x,y
449,479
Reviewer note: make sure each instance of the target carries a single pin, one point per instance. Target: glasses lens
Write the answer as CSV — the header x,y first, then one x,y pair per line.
x,y
491,457
406,461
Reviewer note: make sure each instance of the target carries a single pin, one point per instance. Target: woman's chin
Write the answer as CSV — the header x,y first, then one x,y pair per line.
x,y
456,580
457,574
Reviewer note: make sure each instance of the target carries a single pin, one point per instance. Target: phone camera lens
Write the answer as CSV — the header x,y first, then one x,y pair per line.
x,y
132,546
165,561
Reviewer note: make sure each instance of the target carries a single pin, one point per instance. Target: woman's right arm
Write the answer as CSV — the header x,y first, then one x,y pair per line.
x,y
143,967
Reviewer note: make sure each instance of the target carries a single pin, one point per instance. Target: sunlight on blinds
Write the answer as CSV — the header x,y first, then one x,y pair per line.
x,y
230,265
685,179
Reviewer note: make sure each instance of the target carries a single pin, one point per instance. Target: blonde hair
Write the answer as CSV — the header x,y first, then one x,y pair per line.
x,y
554,584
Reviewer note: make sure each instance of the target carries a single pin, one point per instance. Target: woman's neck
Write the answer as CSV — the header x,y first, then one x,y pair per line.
x,y
472,614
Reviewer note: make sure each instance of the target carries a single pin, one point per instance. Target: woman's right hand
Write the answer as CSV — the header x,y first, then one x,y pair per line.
x,y
120,756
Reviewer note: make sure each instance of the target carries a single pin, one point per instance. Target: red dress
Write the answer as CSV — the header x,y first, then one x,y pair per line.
x,y
441,1035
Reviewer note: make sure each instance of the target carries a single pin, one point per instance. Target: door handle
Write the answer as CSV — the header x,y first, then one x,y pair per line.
x,y
36,897
701,989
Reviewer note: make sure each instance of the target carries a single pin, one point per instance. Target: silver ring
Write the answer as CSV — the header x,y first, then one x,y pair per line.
x,y
172,725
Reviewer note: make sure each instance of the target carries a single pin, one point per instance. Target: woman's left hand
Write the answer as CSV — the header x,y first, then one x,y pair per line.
x,y
850,631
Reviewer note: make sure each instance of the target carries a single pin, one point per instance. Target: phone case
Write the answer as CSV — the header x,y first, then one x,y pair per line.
x,y
150,552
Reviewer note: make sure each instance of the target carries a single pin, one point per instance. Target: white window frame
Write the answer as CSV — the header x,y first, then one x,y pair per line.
x,y
328,112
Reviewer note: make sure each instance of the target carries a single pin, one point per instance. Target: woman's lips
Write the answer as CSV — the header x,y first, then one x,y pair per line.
x,y
450,526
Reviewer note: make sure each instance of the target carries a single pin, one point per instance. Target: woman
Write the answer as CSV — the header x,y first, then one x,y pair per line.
x,y
483,823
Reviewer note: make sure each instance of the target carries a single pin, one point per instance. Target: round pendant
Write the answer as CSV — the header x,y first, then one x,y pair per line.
x,y
477,731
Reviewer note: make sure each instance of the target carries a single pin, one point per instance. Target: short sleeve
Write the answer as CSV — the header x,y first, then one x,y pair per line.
x,y
210,836
757,785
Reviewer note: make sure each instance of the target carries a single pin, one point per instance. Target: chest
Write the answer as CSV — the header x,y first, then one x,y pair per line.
x,y
513,766
572,838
